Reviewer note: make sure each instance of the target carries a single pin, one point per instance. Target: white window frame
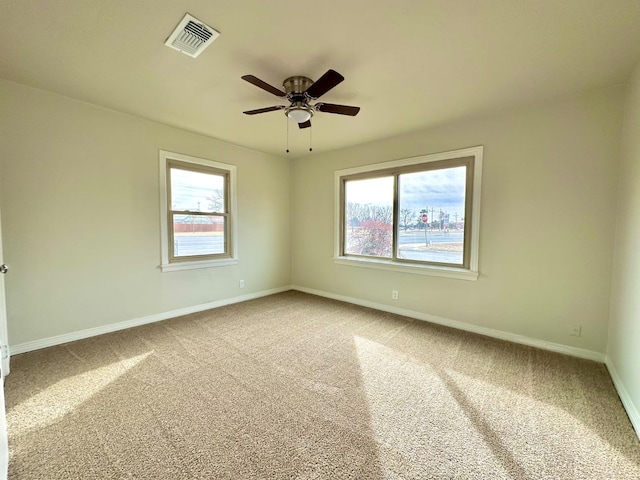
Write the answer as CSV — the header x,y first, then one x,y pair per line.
x,y
470,273
232,231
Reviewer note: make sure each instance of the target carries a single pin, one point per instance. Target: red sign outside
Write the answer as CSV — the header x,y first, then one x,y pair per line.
x,y
424,218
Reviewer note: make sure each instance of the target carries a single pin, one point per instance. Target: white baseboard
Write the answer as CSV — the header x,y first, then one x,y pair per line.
x,y
113,327
511,337
631,409
629,406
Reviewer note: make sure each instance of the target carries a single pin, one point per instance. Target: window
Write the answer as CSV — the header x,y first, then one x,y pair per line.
x,y
197,212
419,215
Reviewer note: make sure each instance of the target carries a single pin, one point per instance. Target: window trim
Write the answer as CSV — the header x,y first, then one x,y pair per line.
x,y
168,263
469,272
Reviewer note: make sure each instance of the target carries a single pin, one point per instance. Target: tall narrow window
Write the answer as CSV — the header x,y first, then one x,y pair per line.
x,y
420,212
198,211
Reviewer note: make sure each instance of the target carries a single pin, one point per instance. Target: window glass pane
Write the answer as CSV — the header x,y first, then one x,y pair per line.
x,y
198,235
196,191
369,217
440,195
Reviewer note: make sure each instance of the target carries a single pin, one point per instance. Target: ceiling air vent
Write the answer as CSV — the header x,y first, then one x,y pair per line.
x,y
191,36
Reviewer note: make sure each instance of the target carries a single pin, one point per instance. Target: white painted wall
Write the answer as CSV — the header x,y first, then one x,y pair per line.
x,y
624,329
548,201
81,221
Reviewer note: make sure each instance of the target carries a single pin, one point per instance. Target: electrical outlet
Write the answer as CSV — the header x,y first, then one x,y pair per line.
x,y
241,283
575,330
394,295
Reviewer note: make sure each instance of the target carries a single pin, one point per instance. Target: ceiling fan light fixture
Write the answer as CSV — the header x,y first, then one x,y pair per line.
x,y
299,115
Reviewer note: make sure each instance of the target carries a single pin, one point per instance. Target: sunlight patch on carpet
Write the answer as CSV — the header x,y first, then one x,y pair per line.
x,y
61,398
431,411
412,411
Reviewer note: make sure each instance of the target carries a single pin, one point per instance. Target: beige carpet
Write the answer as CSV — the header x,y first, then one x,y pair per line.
x,y
294,386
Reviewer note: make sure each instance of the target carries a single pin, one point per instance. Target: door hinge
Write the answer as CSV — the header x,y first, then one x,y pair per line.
x,y
5,351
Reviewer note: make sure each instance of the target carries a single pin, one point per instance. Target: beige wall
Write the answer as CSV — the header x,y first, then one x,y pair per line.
x,y
624,328
548,202
80,217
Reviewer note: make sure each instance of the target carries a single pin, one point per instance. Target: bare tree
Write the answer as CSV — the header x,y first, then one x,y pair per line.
x,y
356,213
381,213
407,217
216,200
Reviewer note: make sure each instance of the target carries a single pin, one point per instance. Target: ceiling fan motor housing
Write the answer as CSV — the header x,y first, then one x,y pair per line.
x,y
296,85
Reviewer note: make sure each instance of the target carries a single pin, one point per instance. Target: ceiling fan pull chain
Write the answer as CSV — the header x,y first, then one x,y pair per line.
x,y
287,120
310,129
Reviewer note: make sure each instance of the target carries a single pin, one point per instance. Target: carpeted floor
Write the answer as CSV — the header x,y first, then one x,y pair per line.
x,y
295,386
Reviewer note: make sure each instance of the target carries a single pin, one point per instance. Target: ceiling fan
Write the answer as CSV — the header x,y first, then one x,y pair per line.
x,y
299,92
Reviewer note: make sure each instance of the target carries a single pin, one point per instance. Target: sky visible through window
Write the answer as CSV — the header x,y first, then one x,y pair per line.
x,y
194,191
442,189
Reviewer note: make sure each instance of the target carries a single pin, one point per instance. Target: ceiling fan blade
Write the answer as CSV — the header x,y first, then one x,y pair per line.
x,y
325,83
306,124
339,109
263,85
264,110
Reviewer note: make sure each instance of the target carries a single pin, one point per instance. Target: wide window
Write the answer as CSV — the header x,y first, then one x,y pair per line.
x,y
418,215
198,212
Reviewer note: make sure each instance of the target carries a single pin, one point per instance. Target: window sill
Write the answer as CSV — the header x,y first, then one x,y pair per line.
x,y
174,267
448,272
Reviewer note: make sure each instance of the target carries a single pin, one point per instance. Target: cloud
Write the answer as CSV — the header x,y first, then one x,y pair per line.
x,y
434,190
192,190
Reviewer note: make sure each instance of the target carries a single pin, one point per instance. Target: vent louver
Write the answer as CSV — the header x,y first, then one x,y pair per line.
x,y
191,36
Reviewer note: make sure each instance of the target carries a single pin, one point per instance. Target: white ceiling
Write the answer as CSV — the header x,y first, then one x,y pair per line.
x,y
409,64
